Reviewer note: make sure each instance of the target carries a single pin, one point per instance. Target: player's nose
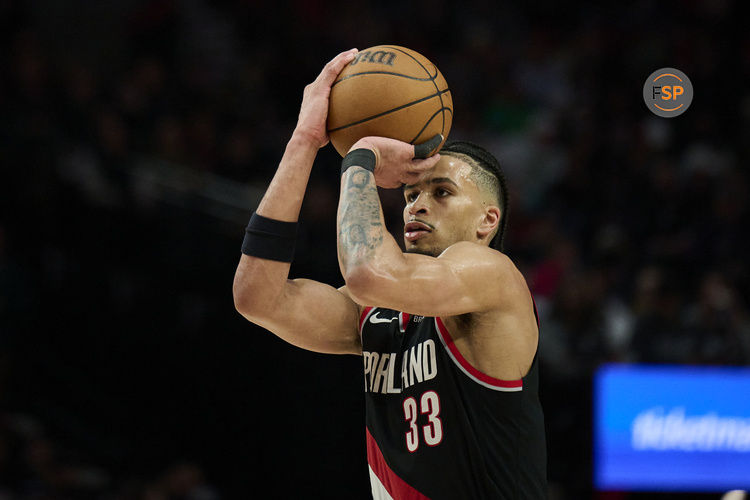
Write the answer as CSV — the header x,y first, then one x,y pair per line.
x,y
419,205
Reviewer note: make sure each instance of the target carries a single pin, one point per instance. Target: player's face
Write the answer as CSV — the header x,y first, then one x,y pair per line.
x,y
442,208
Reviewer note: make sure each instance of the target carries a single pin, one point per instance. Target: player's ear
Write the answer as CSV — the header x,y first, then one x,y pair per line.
x,y
489,222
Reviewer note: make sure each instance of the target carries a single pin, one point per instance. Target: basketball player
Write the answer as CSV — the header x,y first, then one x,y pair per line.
x,y
447,330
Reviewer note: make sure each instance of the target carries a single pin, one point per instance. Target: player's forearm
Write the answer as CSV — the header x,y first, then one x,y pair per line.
x,y
363,241
283,198
259,283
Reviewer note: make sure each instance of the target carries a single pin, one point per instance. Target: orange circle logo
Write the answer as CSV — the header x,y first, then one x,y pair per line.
x,y
668,92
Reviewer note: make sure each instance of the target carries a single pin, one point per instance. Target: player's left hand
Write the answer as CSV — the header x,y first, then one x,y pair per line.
x,y
397,162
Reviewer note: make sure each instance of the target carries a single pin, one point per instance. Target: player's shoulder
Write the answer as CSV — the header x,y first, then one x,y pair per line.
x,y
345,292
495,267
482,254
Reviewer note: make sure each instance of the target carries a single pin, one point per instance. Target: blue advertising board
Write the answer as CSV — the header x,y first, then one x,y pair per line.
x,y
671,428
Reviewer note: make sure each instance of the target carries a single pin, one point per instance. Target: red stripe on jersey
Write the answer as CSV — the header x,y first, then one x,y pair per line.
x,y
467,366
403,321
362,316
396,487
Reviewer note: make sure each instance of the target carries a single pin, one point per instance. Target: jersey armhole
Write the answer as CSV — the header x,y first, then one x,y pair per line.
x,y
473,373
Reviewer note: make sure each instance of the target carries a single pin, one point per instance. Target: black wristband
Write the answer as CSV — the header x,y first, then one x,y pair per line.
x,y
270,239
362,157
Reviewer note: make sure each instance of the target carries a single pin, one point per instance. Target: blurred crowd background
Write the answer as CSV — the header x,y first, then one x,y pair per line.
x,y
136,138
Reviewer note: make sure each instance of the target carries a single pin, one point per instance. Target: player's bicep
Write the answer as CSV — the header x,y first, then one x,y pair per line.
x,y
316,317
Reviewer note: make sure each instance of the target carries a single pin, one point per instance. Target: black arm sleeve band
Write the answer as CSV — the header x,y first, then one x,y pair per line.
x,y
270,239
362,157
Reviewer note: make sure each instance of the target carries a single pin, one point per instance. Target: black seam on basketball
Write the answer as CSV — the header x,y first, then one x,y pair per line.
x,y
442,104
432,78
428,122
437,94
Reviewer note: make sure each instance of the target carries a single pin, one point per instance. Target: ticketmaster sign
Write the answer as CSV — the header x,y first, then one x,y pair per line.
x,y
672,428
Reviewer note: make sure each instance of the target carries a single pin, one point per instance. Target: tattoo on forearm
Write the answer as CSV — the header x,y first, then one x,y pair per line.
x,y
359,218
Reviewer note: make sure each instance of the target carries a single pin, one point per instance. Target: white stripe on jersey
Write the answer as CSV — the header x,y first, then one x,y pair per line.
x,y
378,490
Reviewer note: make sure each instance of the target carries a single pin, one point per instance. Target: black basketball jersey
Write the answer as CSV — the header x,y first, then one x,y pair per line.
x,y
439,428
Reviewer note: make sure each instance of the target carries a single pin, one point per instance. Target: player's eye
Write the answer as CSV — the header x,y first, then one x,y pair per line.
x,y
411,196
440,192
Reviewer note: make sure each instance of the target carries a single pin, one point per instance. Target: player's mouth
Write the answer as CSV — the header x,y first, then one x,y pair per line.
x,y
415,230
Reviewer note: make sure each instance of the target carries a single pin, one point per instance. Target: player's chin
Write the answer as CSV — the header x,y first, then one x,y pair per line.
x,y
422,249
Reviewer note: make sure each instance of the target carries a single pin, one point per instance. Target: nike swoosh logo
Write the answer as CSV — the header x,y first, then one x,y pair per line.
x,y
374,319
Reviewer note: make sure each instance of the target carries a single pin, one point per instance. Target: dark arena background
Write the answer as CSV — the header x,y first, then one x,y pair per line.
x,y
136,138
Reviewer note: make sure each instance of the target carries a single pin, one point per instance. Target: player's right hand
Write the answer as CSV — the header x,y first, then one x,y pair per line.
x,y
397,162
313,113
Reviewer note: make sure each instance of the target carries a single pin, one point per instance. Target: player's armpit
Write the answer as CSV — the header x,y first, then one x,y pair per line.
x,y
466,277
311,315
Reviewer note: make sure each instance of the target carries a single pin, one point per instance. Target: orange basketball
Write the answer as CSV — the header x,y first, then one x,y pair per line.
x,y
389,91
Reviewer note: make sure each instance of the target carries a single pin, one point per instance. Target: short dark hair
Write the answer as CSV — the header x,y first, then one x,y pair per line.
x,y
484,160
